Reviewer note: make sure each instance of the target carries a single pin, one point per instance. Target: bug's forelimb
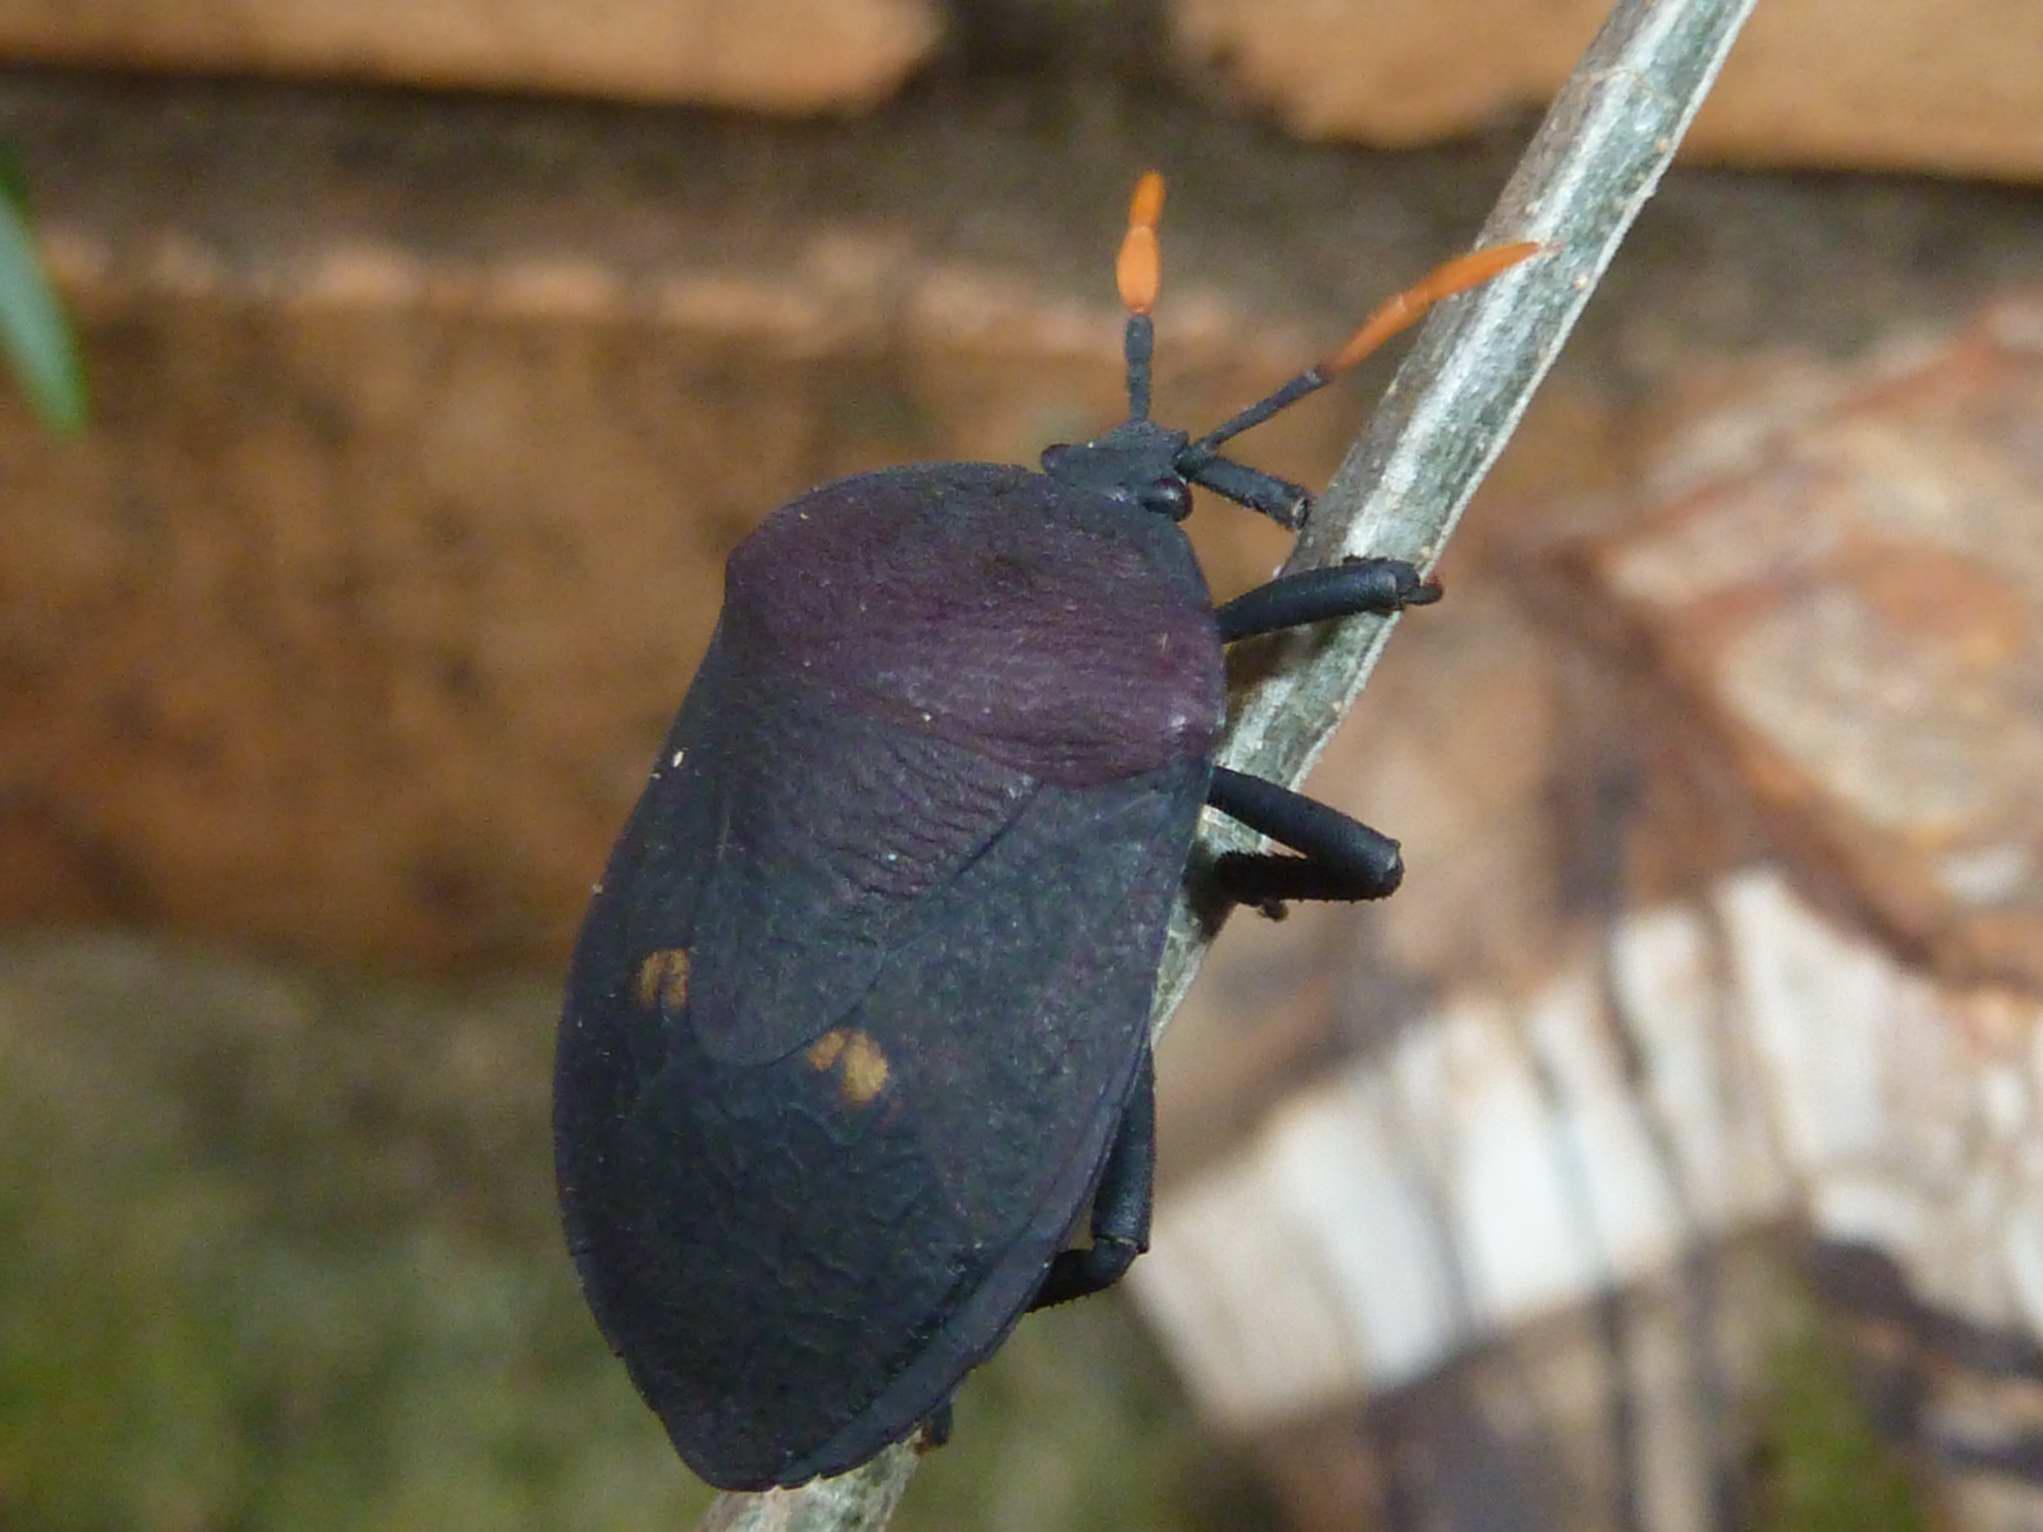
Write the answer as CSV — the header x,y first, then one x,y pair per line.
x,y
1355,585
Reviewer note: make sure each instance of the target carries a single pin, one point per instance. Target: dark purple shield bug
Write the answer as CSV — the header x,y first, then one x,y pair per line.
x,y
857,1023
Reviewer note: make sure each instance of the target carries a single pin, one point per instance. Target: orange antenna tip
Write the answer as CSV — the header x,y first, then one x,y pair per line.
x,y
1478,266
1138,271
1146,206
1405,309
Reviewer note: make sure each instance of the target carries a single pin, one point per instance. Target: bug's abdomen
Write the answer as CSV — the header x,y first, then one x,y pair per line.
x,y
1043,626
766,1259
799,1248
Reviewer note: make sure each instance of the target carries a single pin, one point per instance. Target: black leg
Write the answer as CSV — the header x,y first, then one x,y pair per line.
x,y
1343,858
1283,502
1314,595
936,1430
1120,1207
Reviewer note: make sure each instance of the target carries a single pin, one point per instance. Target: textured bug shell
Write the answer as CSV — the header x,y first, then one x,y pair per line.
x,y
857,1008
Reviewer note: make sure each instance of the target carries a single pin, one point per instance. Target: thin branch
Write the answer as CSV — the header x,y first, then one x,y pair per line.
x,y
860,1501
1455,401
1460,392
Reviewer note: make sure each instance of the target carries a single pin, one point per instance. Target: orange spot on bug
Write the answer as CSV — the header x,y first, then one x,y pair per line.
x,y
861,1064
663,979
864,1071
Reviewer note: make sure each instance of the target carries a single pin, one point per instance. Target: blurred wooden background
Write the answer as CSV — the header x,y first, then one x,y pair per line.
x,y
1687,1094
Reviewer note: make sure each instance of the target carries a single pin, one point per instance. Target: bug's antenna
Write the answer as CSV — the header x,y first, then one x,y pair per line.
x,y
1138,272
1398,312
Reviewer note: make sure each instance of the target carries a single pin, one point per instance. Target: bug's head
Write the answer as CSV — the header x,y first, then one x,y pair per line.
x,y
1152,467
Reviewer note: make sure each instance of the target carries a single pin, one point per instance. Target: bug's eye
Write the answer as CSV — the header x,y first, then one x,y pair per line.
x,y
1168,496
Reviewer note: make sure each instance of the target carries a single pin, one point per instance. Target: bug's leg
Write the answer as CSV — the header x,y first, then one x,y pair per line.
x,y
1121,1205
1342,857
1354,585
1283,502
935,1430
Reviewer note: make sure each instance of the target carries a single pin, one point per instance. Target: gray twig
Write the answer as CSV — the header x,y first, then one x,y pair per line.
x,y
1459,393
1454,402
860,1501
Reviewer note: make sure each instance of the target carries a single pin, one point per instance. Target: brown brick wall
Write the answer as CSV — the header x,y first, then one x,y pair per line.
x,y
423,424
1861,84
1864,84
763,55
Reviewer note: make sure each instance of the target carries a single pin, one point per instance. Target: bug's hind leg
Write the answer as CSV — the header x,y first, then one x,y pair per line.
x,y
935,1430
1342,857
1120,1207
1313,595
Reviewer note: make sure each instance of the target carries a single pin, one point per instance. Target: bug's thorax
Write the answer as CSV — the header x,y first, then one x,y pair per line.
x,y
1134,465
1046,624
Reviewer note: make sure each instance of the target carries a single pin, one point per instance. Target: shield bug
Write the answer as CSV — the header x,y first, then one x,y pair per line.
x,y
857,1022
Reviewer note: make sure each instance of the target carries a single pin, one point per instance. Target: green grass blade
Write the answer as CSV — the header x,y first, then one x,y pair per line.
x,y
34,333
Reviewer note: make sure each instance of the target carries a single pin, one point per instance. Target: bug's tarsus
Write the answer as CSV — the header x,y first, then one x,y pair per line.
x,y
936,1430
1120,1206
1381,586
1341,858
1265,880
